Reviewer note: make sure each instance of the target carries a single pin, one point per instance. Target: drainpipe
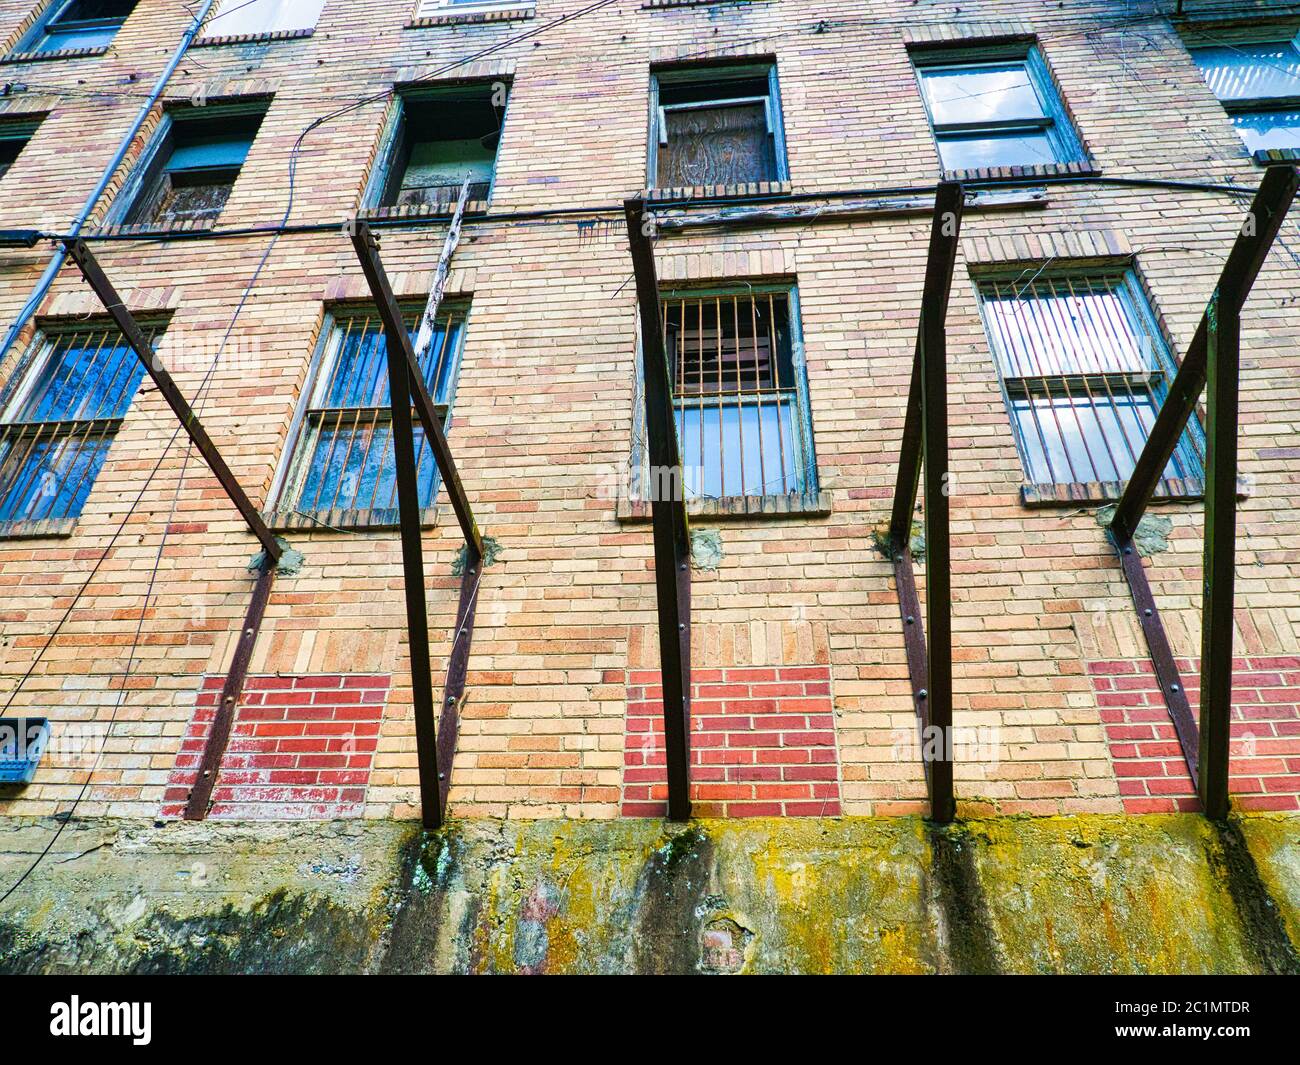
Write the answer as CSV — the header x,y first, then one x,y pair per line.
x,y
60,254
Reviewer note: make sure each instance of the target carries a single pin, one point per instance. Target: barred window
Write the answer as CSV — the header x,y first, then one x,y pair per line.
x,y
716,126
994,108
342,472
739,394
1259,87
1084,371
61,416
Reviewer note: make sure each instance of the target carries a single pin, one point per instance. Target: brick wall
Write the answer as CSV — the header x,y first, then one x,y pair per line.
x,y
762,744
542,421
1264,758
301,747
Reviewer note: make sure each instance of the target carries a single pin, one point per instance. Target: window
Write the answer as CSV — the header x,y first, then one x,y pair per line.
x,y
716,126
193,166
77,24
14,135
59,419
994,108
1259,87
249,18
436,140
739,393
342,471
1084,371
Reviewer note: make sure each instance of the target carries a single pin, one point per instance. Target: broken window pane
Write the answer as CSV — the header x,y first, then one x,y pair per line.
x,y
1085,372
444,139
58,425
195,169
714,129
344,456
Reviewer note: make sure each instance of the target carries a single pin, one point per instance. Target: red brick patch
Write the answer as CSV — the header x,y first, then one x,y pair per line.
x,y
301,747
1265,749
762,744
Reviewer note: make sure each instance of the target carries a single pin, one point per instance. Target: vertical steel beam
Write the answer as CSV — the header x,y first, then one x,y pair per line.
x,y
200,798
435,745
925,442
130,329
397,346
668,517
1261,225
1223,322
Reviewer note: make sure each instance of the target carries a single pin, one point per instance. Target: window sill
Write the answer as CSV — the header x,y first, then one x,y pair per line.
x,y
736,508
253,38
1271,156
156,228
653,4
719,192
31,530
61,53
385,214
344,521
1082,168
463,18
1068,495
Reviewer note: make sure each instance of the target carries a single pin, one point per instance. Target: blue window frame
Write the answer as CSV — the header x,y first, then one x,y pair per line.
x,y
995,108
192,166
1259,87
1084,371
56,425
342,471
77,24
741,396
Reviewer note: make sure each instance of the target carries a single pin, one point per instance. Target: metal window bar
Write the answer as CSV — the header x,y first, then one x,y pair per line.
x,y
61,421
735,393
1082,380
345,457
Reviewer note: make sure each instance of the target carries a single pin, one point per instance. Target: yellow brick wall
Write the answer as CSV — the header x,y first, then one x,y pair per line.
x,y
543,415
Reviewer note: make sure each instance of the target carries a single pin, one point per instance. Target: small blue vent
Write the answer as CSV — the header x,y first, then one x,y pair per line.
x,y
22,742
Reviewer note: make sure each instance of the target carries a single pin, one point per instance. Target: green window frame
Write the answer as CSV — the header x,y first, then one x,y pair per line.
x,y
716,125
15,133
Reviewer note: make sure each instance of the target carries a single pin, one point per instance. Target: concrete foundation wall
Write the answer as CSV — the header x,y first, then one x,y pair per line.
x,y
1161,893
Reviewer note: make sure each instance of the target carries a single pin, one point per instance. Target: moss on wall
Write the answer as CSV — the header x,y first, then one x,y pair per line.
x,y
1081,894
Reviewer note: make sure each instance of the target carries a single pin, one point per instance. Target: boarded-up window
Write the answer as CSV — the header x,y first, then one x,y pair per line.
x,y
194,169
442,139
343,471
244,18
57,426
715,127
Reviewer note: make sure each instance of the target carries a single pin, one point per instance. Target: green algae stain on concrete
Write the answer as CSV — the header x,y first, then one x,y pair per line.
x,y
809,895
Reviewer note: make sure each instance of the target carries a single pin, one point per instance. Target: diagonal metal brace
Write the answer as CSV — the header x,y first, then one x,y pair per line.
x,y
435,745
925,437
